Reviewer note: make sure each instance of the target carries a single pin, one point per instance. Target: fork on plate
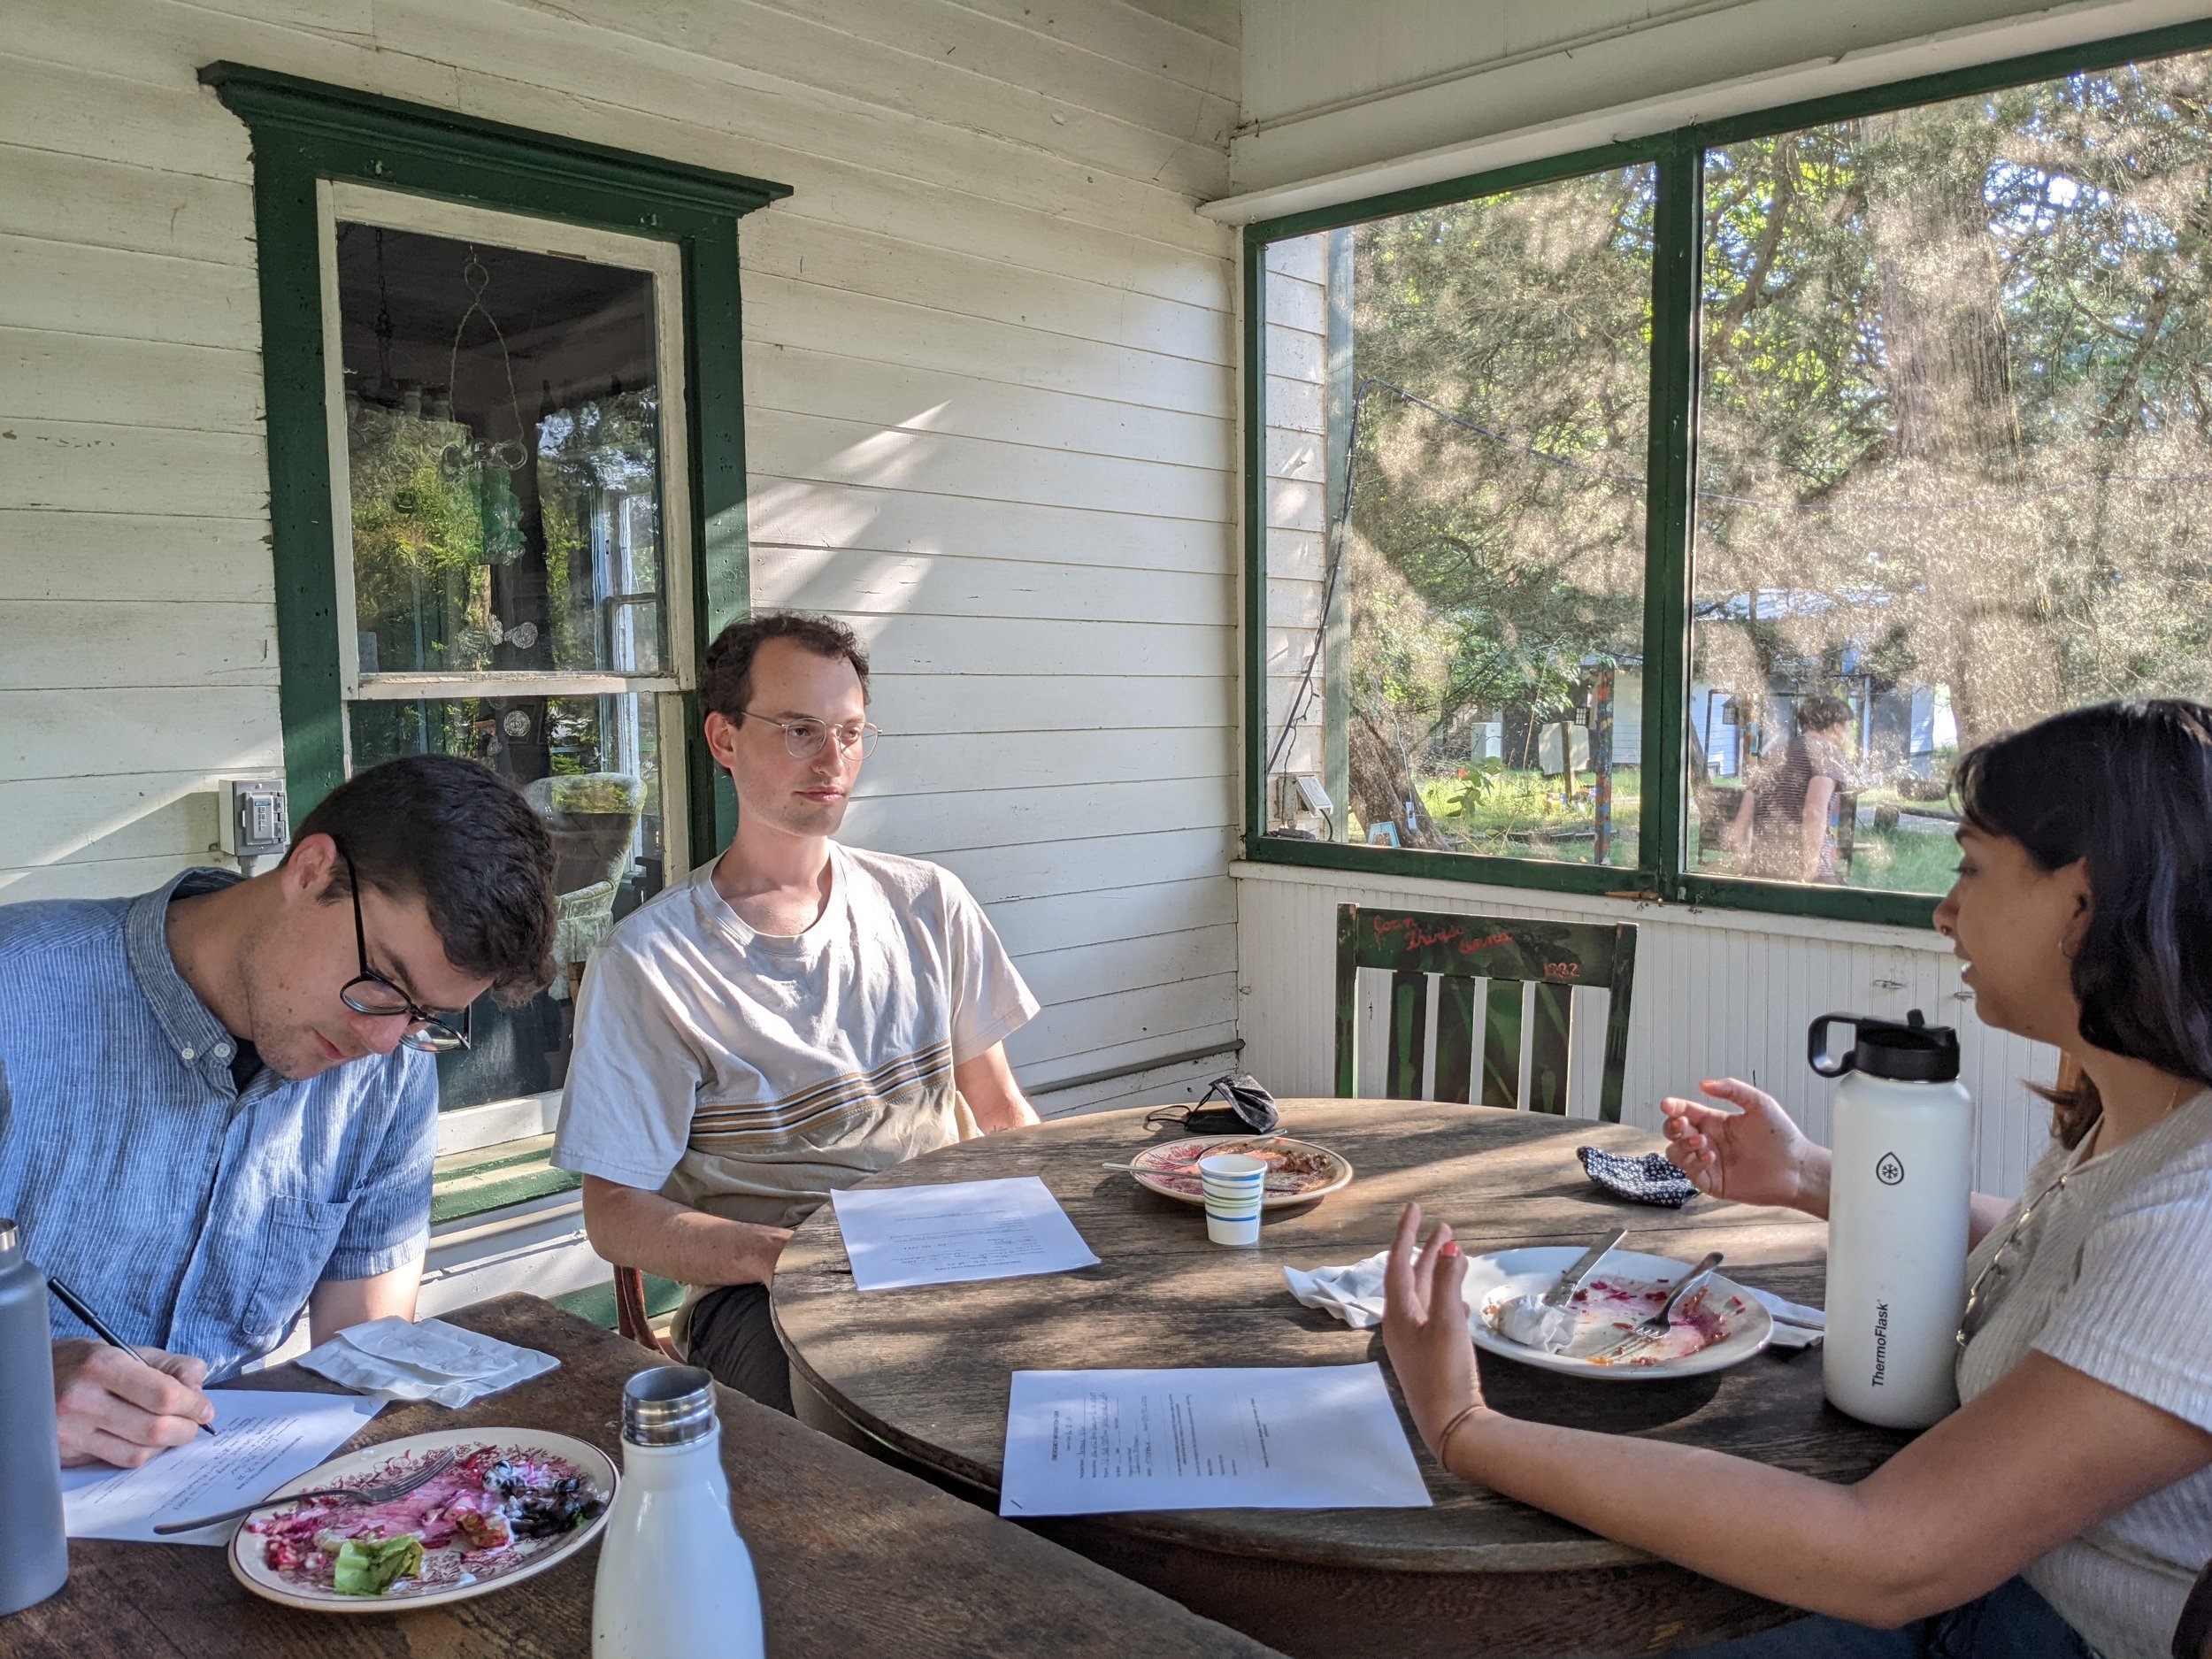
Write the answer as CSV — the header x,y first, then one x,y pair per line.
x,y
1649,1330
382,1493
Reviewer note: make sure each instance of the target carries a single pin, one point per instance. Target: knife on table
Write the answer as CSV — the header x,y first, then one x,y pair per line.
x,y
1560,1295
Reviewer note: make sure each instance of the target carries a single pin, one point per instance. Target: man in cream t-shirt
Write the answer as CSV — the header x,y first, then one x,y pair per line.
x,y
788,1020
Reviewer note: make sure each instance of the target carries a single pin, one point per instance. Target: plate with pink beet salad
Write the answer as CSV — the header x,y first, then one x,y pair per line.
x,y
513,1503
1715,1328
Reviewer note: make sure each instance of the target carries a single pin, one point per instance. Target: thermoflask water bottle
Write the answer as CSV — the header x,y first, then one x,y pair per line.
x,y
1897,1214
33,1549
675,1581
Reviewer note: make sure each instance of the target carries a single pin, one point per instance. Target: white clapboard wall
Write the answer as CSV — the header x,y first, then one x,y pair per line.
x,y
1717,994
991,422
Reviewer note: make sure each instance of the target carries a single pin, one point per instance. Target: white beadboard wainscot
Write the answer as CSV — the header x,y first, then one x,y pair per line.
x,y
1717,994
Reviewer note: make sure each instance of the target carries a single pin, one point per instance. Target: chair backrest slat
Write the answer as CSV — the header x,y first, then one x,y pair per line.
x,y
1409,1034
1485,969
1501,1045
1457,1000
1550,1054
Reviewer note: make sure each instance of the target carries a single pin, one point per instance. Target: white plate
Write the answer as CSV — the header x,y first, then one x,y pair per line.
x,y
1171,1168
1503,1275
525,1558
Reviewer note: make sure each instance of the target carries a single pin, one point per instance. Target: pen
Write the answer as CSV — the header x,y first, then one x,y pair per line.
x,y
75,1303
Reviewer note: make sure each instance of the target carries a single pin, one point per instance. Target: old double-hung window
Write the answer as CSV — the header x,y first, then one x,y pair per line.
x,y
506,486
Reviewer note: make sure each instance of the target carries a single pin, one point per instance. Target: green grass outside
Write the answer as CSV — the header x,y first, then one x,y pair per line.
x,y
1518,814
1903,861
1521,814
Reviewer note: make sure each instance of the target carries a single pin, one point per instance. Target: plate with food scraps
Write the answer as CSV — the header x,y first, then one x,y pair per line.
x,y
1720,1326
1298,1172
514,1502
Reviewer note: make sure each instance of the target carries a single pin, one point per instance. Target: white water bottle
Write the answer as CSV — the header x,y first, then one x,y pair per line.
x,y
675,1581
1901,1180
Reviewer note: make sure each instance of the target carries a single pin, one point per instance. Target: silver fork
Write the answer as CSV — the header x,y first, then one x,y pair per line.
x,y
383,1493
1650,1330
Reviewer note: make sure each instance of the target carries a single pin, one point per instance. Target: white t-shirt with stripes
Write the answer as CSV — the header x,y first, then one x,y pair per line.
x,y
2113,1276
747,1074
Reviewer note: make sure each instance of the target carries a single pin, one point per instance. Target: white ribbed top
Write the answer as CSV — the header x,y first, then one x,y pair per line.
x,y
2113,1276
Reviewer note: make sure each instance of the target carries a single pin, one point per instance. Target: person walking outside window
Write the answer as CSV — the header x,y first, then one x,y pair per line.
x,y
1781,827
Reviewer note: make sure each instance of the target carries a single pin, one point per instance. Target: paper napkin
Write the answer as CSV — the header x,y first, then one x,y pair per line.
x,y
430,1360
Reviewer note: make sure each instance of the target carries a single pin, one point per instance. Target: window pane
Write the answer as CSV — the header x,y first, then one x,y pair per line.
x,y
1455,665
591,767
1954,450
502,456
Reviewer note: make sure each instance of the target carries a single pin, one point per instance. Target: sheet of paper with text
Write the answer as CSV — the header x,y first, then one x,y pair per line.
x,y
263,1438
1292,1437
957,1232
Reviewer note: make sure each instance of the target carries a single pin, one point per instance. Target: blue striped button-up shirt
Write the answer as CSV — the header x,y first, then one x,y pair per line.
x,y
191,1215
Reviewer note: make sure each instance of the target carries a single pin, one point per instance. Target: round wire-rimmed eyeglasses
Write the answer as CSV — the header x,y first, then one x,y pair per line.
x,y
1993,1270
429,1029
802,739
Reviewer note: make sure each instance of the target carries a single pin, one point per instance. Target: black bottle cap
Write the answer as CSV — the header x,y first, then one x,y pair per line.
x,y
1913,1052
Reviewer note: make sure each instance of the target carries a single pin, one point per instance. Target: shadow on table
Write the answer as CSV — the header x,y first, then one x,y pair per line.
x,y
1617,1407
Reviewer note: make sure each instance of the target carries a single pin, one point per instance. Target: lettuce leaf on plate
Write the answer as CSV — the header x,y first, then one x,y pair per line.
x,y
370,1566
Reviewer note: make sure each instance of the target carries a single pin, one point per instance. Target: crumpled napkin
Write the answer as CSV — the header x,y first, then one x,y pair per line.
x,y
430,1360
1354,1294
1649,1179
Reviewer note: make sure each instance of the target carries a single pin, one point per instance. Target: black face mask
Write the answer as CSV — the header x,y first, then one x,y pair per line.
x,y
1246,1108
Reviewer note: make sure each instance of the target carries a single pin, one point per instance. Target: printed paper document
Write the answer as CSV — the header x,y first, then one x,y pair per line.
x,y
956,1231
263,1438
1304,1437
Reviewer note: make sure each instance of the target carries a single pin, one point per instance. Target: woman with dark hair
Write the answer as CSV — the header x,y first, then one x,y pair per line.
x,y
2065,1507
1781,828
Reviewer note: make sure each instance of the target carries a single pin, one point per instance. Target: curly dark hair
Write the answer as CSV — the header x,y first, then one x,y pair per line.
x,y
726,677
1820,714
2128,787
460,837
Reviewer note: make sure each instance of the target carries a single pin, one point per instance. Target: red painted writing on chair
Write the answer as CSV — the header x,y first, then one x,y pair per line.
x,y
1416,937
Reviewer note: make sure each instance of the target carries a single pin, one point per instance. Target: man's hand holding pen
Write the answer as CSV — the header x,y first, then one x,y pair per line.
x,y
123,1406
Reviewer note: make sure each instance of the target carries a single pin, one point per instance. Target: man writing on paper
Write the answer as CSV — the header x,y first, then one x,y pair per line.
x,y
221,1105
795,1017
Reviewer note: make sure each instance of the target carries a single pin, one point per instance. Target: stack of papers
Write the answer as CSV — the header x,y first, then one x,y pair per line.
x,y
1292,1437
957,1232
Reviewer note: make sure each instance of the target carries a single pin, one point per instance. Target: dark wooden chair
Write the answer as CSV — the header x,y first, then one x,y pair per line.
x,y
1479,965
633,1319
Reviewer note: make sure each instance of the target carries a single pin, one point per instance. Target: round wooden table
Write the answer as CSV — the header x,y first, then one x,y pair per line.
x,y
921,1375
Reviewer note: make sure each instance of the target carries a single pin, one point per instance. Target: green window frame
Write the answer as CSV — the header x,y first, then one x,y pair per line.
x,y
305,131
1677,158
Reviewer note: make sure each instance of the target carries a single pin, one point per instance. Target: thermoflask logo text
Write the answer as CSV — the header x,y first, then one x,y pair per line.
x,y
1889,1171
1881,1341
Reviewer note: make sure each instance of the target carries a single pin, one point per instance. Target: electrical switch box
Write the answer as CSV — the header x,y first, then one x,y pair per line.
x,y
252,817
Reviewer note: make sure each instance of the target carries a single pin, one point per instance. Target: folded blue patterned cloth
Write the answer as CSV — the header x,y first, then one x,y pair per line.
x,y
1649,1179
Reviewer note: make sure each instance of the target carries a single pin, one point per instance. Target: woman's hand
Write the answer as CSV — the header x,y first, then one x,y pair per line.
x,y
1425,1328
1754,1156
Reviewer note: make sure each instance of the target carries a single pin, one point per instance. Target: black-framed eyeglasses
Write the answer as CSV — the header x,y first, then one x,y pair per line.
x,y
802,739
429,1029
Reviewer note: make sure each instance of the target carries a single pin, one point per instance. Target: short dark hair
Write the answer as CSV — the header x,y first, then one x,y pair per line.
x,y
457,836
1818,714
725,677
2128,787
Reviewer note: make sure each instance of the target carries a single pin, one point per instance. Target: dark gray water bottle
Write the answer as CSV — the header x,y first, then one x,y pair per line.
x,y
34,1548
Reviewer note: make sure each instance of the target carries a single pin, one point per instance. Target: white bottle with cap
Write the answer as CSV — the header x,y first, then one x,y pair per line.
x,y
1902,1181
675,1581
